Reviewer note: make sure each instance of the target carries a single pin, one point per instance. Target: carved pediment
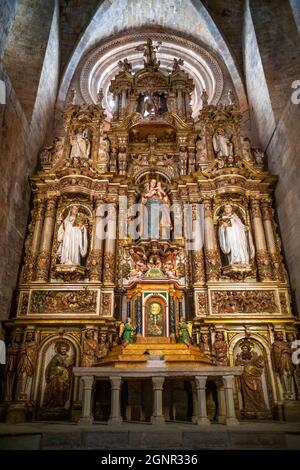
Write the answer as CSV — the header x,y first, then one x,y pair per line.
x,y
151,79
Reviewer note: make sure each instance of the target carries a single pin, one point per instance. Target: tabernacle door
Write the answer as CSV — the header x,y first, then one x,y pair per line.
x,y
155,317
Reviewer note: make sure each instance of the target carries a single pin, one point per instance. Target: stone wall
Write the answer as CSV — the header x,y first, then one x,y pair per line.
x,y
271,64
261,113
278,47
26,47
20,141
284,160
7,13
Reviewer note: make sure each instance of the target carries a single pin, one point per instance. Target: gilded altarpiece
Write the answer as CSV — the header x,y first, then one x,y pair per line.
x,y
157,217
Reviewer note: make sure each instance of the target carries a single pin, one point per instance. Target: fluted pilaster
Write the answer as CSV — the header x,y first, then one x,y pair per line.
x,y
212,255
262,254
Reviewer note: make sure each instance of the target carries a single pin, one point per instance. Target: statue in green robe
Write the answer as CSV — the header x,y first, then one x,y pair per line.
x,y
184,332
127,332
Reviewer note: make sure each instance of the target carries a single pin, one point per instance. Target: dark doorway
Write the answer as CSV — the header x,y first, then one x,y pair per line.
x,y
102,397
212,400
178,400
136,400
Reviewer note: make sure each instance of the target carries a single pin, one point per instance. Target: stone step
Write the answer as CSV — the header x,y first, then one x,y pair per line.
x,y
153,346
155,352
167,358
173,353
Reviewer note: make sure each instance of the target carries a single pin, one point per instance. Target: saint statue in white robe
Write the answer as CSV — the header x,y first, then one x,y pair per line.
x,y
235,238
72,238
222,144
80,145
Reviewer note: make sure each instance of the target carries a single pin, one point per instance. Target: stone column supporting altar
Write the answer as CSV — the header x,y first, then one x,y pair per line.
x,y
221,405
200,383
95,258
110,247
38,218
115,410
157,416
195,402
212,255
262,255
229,399
44,256
271,239
87,416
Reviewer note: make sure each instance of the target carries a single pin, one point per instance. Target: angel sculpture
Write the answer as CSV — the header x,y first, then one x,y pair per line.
x,y
169,264
150,52
138,262
176,64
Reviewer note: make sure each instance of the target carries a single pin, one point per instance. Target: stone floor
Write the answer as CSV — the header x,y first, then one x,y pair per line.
x,y
248,435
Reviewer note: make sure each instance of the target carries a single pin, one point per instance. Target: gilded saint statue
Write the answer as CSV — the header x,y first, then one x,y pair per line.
x,y
235,238
204,97
26,365
58,377
12,355
201,153
103,152
283,365
247,150
220,350
251,379
89,353
72,238
205,344
222,144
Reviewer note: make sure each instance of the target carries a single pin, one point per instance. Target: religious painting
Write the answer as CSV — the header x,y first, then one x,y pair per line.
x,y
56,380
155,317
253,386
